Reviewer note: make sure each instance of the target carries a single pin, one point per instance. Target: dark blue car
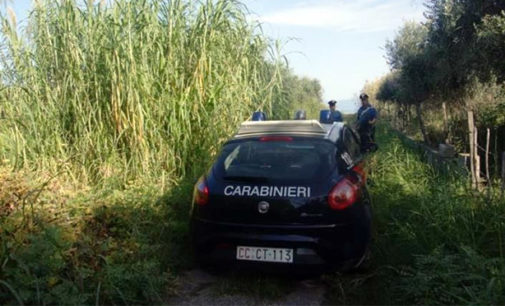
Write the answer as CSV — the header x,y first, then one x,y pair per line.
x,y
284,194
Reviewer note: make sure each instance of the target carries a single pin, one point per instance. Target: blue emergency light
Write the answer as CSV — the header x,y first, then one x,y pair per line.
x,y
324,116
300,115
259,116
327,117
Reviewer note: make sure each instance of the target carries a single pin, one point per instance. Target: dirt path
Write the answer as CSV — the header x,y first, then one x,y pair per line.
x,y
197,287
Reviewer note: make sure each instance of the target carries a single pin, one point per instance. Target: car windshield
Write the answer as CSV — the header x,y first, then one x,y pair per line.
x,y
260,161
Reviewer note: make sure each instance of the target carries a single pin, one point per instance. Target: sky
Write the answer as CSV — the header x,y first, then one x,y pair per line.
x,y
339,42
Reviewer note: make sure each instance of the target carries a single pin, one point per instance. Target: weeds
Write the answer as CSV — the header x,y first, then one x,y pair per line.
x,y
105,245
435,241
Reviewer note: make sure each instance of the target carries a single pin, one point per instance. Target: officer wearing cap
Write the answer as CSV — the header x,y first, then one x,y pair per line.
x,y
365,124
334,115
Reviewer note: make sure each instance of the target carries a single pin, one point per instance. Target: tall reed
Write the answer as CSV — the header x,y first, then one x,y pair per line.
x,y
130,89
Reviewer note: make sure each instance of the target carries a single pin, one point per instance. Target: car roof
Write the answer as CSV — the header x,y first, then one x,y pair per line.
x,y
303,128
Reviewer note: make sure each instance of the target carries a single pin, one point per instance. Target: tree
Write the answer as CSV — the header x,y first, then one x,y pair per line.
x,y
408,57
410,41
491,45
455,58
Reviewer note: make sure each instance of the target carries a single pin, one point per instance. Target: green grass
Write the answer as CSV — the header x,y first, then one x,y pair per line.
x,y
435,241
86,246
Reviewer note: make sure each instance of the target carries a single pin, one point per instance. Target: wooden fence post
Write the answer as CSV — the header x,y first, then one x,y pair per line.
x,y
471,130
477,159
446,125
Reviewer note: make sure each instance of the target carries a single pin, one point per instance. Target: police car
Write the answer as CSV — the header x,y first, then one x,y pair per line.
x,y
284,194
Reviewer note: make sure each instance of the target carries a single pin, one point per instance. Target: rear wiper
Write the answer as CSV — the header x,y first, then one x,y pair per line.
x,y
246,178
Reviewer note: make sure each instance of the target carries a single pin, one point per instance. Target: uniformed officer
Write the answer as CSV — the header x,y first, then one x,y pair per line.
x,y
365,124
334,115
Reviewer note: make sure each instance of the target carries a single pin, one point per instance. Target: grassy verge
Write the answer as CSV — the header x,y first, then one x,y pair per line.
x,y
65,244
435,242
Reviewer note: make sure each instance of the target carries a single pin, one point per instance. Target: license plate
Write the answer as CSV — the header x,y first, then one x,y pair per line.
x,y
265,254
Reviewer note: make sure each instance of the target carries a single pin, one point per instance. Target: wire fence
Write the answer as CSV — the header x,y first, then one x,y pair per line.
x,y
458,164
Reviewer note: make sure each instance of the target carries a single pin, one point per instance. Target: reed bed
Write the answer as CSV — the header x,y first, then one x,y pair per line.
x,y
129,89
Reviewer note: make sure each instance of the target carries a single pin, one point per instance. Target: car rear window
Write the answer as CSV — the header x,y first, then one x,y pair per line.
x,y
295,160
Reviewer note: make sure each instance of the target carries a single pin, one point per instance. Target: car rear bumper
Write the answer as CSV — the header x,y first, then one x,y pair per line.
x,y
338,245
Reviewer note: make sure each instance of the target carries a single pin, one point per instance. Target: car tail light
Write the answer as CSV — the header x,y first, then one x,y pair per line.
x,y
360,172
343,195
276,138
347,191
201,192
